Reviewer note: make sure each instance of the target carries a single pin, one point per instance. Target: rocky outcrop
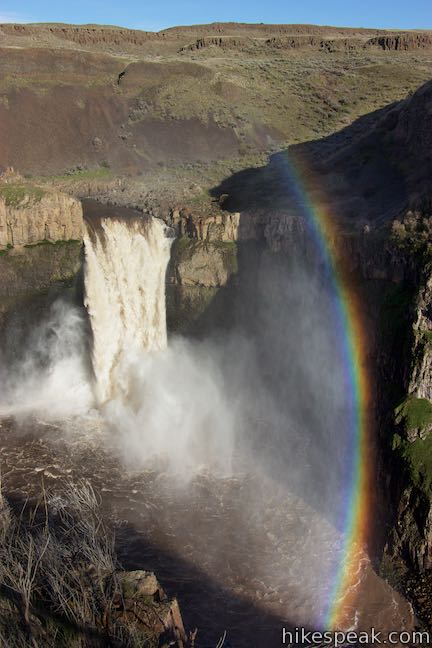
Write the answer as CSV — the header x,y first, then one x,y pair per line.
x,y
198,270
412,535
199,263
420,384
228,43
142,599
217,226
314,42
90,36
404,41
30,214
292,42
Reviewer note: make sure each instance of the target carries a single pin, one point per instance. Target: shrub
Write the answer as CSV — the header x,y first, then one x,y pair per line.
x,y
58,575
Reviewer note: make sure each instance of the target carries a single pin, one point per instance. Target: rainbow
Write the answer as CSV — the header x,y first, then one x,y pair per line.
x,y
351,332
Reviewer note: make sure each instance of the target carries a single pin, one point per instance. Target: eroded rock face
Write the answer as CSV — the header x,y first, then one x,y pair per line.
x,y
221,226
411,538
144,602
28,217
413,531
421,376
204,258
405,42
204,264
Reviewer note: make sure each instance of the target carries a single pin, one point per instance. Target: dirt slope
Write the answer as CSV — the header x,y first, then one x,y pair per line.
x,y
112,100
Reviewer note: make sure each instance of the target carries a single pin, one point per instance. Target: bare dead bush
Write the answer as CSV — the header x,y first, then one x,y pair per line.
x,y
58,576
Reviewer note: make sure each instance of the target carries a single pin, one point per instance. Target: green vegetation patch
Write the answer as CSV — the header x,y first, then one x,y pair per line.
x,y
6,249
229,251
101,173
59,242
15,194
414,414
412,235
417,457
184,244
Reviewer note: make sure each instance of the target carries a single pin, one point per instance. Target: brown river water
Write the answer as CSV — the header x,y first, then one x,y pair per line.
x,y
248,569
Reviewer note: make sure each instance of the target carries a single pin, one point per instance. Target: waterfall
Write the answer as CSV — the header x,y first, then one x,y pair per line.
x,y
125,268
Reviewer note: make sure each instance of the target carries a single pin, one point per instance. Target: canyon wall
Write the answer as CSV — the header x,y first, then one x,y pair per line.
x,y
29,215
411,537
40,245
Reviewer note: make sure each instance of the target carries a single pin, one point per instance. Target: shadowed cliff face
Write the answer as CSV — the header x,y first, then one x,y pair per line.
x,y
369,172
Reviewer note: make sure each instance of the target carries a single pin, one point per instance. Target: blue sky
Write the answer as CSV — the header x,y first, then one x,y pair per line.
x,y
159,14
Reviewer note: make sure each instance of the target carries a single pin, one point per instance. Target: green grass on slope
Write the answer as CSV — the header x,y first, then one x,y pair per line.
x,y
59,242
418,459
414,413
101,173
15,194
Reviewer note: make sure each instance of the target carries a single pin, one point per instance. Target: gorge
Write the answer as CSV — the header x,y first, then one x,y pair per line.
x,y
212,344
209,423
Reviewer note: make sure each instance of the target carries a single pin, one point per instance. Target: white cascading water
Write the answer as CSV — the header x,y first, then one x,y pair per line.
x,y
125,268
158,401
